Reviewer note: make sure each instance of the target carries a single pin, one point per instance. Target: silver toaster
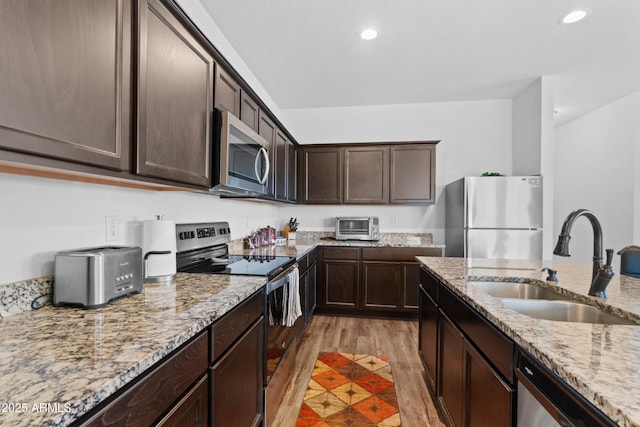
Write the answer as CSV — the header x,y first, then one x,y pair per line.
x,y
92,277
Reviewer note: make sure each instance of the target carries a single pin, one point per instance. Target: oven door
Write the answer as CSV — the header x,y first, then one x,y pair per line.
x,y
244,156
278,337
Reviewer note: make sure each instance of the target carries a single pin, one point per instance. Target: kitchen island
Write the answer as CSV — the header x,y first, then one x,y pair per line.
x,y
599,361
59,363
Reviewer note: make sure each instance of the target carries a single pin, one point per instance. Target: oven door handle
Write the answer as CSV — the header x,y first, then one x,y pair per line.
x,y
280,280
276,284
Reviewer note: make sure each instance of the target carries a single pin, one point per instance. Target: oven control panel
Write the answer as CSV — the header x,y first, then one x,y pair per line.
x,y
201,235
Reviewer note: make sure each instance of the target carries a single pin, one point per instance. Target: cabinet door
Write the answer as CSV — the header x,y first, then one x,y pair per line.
x,y
304,295
412,173
175,99
381,285
312,291
490,399
65,80
410,284
322,175
340,284
451,360
366,178
227,97
292,173
428,338
280,166
192,410
267,130
249,111
237,382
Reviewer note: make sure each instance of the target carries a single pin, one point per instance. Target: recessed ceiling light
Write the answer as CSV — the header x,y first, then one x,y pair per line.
x,y
574,16
369,34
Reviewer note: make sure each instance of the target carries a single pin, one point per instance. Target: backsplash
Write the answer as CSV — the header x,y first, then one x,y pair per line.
x,y
390,239
17,297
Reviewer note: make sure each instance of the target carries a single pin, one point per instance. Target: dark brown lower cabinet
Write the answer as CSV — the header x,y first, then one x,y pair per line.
x,y
236,375
159,392
377,281
468,362
340,284
236,382
410,280
428,338
192,410
451,371
381,283
488,396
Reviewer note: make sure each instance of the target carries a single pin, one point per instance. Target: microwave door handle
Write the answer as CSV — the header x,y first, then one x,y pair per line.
x,y
256,166
264,178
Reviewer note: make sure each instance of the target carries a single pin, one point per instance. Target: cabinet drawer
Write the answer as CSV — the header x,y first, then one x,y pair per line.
x,y
398,254
341,253
303,263
496,346
429,284
313,256
145,401
227,329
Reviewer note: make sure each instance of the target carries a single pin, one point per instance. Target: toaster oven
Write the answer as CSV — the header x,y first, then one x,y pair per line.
x,y
92,277
358,228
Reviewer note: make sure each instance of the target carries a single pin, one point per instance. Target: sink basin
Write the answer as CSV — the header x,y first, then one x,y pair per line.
x,y
564,311
517,290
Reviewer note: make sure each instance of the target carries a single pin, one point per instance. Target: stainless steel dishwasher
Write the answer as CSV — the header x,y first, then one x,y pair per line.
x,y
544,400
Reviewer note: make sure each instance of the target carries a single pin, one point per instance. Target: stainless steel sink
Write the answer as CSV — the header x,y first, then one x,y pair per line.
x,y
517,290
564,311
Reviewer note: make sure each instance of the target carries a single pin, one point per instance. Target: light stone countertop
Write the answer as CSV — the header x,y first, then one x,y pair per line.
x,y
601,362
72,359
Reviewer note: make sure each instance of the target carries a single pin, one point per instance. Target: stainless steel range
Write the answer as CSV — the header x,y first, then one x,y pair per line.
x,y
203,248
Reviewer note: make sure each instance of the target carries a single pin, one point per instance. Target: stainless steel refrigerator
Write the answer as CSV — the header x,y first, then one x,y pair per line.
x,y
494,217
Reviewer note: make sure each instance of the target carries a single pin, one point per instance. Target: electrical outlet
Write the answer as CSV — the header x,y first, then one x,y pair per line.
x,y
384,220
394,220
112,228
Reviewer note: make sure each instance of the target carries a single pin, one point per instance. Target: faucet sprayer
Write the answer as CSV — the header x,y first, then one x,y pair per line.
x,y
600,276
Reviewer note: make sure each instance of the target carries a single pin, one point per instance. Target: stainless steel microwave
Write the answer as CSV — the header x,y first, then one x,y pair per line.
x,y
241,159
358,228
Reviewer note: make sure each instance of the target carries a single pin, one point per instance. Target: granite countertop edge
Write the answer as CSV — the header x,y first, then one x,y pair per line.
x,y
521,329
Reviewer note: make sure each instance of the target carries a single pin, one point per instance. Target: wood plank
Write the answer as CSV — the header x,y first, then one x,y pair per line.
x,y
397,339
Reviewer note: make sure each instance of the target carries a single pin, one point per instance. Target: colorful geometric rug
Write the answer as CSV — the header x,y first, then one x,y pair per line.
x,y
350,390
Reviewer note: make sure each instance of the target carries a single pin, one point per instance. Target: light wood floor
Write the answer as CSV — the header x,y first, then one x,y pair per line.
x,y
397,339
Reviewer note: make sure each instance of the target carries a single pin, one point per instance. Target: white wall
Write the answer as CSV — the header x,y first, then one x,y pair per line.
x,y
533,135
597,163
201,18
475,138
42,216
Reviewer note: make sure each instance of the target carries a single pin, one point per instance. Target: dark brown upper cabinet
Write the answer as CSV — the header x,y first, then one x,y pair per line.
x,y
321,175
227,96
175,99
280,166
292,172
65,80
249,111
366,174
374,173
413,171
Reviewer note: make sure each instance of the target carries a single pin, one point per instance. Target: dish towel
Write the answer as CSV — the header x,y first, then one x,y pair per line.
x,y
292,307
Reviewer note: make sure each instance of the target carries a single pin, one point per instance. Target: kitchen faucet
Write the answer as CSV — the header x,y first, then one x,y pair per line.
x,y
601,275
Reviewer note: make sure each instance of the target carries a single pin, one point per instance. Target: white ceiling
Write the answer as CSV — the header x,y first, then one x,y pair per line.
x,y
308,53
